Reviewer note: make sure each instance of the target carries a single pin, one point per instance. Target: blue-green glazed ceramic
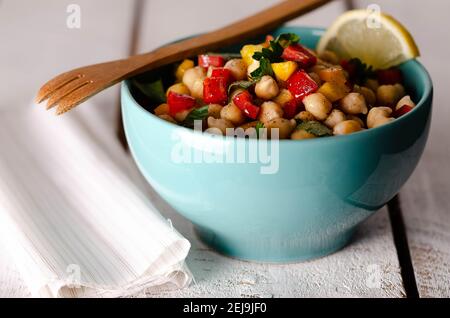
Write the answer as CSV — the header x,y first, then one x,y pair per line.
x,y
310,207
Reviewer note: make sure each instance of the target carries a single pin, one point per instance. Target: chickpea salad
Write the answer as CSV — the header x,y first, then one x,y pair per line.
x,y
279,88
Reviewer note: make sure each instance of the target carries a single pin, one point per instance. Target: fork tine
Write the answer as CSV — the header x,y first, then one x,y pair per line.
x,y
52,85
63,91
74,98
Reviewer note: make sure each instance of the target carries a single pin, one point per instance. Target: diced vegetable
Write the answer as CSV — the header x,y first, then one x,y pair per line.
x,y
206,61
284,70
244,102
215,90
390,76
224,73
185,65
332,74
299,54
334,91
300,84
247,52
402,111
241,84
290,109
283,97
178,102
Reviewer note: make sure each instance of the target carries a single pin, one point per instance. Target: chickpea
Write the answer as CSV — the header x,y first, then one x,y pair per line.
x,y
168,118
193,79
269,111
285,127
347,127
246,126
330,57
302,134
336,116
372,84
218,126
305,116
318,105
266,88
406,100
390,94
356,118
316,78
181,116
379,116
283,97
317,68
162,109
252,67
233,114
214,110
178,88
368,94
354,104
237,68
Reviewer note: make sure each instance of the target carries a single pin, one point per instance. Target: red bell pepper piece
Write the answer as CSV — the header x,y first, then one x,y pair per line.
x,y
402,111
215,90
349,67
244,102
390,76
224,73
269,38
179,102
300,84
299,54
290,109
206,61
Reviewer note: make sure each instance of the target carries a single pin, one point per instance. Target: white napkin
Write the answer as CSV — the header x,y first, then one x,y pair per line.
x,y
72,216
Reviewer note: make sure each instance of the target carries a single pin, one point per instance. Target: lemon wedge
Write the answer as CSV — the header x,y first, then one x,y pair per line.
x,y
375,38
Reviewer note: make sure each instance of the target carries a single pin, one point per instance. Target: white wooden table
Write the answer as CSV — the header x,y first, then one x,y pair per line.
x,y
403,251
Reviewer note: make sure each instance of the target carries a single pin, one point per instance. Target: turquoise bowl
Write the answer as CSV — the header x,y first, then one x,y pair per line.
x,y
301,200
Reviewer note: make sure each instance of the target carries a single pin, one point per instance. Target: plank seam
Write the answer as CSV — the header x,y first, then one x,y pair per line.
x,y
402,247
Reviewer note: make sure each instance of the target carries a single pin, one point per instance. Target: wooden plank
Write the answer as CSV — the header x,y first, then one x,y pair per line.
x,y
425,199
36,45
344,274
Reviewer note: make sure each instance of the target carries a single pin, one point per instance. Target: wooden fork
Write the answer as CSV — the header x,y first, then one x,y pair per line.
x,y
69,89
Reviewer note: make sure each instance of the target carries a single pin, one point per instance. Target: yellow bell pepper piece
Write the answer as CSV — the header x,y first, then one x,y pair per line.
x,y
183,67
284,70
334,91
248,50
283,97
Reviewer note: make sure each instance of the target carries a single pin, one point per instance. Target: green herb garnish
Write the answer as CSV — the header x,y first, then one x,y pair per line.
x,y
360,71
259,125
315,128
241,84
196,114
265,68
153,90
272,54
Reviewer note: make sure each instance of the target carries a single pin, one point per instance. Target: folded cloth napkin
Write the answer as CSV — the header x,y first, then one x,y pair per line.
x,y
72,216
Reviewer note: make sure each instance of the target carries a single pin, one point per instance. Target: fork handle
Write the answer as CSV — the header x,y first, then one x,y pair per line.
x,y
260,23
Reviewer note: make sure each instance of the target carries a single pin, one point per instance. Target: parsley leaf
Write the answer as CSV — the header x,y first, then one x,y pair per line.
x,y
359,71
265,68
153,90
195,114
315,128
272,54
259,125
286,39
241,84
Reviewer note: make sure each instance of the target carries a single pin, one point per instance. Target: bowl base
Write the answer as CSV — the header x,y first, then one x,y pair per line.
x,y
281,254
